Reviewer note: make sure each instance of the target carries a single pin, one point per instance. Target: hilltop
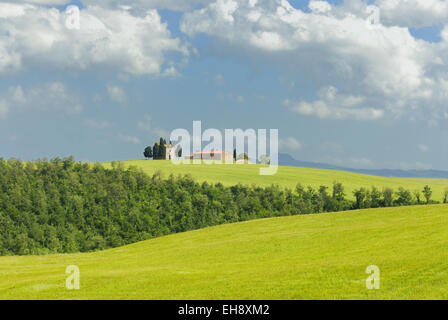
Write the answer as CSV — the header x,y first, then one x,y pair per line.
x,y
286,176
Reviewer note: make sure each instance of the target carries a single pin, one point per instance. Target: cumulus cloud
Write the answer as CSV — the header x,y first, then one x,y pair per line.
x,y
401,13
413,13
176,5
395,73
109,39
40,2
137,5
319,6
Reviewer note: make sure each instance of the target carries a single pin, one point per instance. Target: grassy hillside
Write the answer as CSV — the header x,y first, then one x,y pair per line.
x,y
287,176
302,257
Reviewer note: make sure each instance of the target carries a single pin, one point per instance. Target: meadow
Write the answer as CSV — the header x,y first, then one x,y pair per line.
x,y
321,256
286,176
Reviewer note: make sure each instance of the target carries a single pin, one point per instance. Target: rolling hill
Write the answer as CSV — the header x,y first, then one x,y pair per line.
x,y
321,256
286,160
286,176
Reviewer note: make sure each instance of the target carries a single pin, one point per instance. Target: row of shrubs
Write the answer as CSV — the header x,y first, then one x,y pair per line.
x,y
60,206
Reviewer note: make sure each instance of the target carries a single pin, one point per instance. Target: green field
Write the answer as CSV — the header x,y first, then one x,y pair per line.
x,y
286,176
322,256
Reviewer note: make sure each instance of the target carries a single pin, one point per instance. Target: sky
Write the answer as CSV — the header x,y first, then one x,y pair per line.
x,y
361,84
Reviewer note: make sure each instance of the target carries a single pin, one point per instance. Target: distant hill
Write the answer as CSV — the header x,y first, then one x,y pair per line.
x,y
287,160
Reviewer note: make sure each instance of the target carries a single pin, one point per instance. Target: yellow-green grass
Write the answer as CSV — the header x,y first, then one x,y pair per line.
x,y
322,256
286,176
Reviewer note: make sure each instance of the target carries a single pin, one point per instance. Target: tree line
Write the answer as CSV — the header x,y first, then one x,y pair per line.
x,y
61,206
157,152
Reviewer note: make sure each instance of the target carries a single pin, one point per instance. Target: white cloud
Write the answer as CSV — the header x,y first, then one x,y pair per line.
x,y
333,105
94,124
40,2
319,6
54,96
137,5
49,97
128,139
396,74
111,40
324,110
400,13
117,94
413,13
176,5
289,143
444,33
171,71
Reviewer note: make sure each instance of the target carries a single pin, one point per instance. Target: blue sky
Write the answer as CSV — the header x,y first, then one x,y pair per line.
x,y
367,99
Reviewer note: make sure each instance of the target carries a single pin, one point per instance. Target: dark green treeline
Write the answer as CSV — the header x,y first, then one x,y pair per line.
x,y
61,206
